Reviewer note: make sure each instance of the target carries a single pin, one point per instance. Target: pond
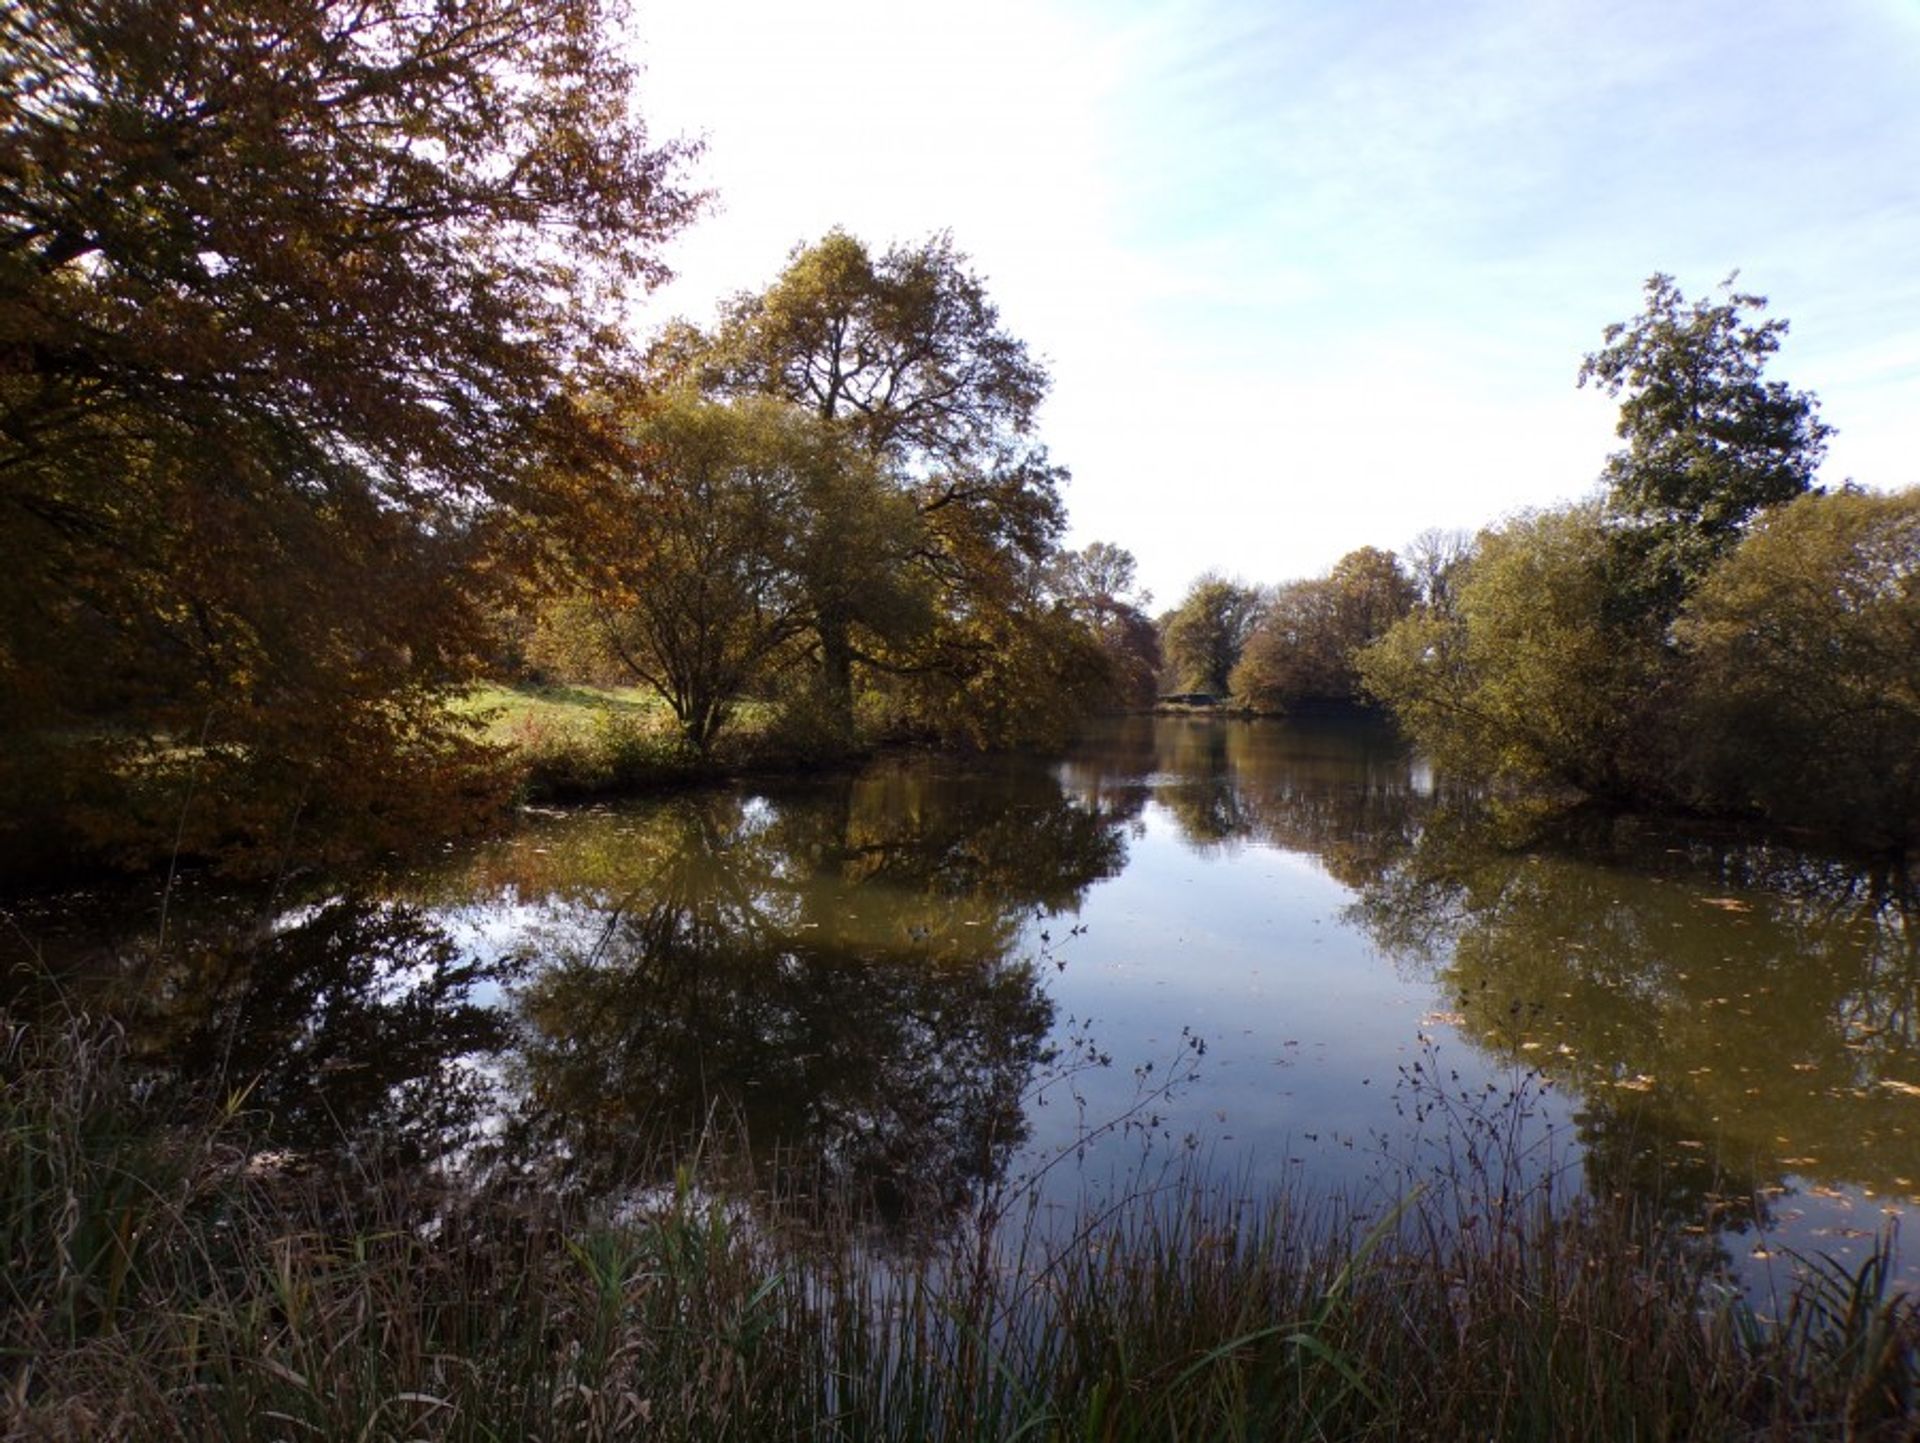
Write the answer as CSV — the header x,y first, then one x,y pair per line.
x,y
1269,954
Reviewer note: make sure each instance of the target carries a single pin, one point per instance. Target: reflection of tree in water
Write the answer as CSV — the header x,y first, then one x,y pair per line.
x,y
1640,1150
833,970
1742,1004
1199,786
838,968
1337,787
344,1030
1727,1014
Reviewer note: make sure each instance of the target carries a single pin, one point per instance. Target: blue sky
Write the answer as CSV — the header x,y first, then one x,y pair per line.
x,y
1311,276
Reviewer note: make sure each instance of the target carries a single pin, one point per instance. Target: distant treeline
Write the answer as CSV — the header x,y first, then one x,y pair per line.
x,y
1711,632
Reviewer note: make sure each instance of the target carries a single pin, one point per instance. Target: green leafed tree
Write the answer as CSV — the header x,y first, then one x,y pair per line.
x,y
905,348
1803,651
1524,678
287,291
1206,633
741,534
905,353
1550,655
1303,647
1710,441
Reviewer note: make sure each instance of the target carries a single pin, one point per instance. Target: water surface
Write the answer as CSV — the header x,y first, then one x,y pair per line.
x,y
1271,951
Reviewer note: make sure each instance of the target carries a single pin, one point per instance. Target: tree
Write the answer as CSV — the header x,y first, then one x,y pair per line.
x,y
905,349
1098,587
1302,649
287,292
1207,631
1803,651
1709,442
739,528
906,353
1434,561
1526,678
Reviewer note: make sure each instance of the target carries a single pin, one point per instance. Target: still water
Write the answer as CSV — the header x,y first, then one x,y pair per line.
x,y
1269,951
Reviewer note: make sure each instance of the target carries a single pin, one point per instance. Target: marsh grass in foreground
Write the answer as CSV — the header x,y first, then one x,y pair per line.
x,y
158,1286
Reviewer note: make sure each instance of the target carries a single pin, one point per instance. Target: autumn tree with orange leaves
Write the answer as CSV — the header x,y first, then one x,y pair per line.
x,y
292,293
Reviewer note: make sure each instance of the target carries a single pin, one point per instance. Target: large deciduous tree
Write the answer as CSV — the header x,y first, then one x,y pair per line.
x,y
904,348
287,292
1803,652
905,352
1524,677
1552,653
739,532
1098,587
1208,630
1710,441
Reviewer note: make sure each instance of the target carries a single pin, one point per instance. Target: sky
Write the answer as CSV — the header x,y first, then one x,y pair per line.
x,y
1316,274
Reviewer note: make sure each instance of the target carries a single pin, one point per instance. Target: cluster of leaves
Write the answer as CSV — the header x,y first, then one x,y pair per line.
x,y
834,491
1712,632
1302,649
290,297
310,372
1204,635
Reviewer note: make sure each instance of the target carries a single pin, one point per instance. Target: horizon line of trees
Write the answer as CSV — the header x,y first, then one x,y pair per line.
x,y
311,412
1711,632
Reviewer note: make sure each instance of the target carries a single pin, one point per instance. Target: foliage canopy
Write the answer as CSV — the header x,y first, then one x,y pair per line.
x,y
1710,441
1205,634
287,294
904,355
1805,644
1303,647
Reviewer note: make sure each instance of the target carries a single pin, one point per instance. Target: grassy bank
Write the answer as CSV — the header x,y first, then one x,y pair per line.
x,y
162,1284
577,741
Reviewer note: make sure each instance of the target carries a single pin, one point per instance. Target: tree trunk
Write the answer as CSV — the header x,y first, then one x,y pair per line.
x,y
836,675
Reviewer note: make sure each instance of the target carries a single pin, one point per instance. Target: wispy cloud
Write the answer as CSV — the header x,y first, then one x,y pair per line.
x,y
1318,274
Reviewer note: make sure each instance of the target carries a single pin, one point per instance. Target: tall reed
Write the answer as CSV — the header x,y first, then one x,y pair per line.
x,y
161,1284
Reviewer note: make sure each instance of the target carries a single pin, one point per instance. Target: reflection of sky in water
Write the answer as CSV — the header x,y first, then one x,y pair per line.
x,y
1319,1048
1306,1028
1287,895
496,929
1230,922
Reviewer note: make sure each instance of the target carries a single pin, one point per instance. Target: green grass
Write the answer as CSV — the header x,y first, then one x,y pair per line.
x,y
573,741
509,709
159,1284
